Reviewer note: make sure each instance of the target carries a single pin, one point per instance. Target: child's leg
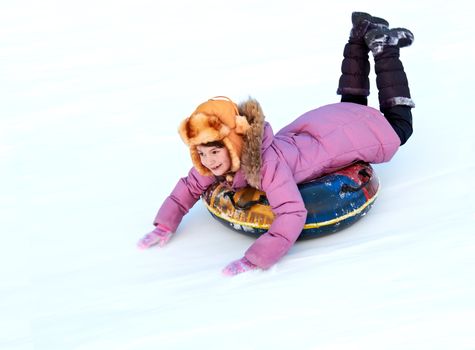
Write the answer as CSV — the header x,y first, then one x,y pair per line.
x,y
394,96
361,100
353,85
400,118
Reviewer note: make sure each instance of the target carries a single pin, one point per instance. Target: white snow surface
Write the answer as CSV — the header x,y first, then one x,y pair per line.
x,y
91,94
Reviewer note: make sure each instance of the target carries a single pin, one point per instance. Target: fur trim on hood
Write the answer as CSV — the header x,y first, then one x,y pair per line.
x,y
251,157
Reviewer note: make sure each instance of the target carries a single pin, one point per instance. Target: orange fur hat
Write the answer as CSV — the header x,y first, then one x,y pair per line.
x,y
217,119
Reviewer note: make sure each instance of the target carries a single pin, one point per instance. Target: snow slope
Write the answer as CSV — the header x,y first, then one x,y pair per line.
x,y
91,94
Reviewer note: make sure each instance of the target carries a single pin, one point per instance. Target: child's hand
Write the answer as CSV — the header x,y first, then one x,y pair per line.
x,y
158,236
239,266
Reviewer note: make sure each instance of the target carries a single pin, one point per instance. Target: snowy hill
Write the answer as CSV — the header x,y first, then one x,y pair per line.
x,y
91,94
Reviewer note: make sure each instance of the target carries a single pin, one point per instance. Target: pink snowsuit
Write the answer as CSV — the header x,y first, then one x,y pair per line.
x,y
318,142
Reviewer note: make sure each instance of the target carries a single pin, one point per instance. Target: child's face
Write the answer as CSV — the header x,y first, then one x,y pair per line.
x,y
216,159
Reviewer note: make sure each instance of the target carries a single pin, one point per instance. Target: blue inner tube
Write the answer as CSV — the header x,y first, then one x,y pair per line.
x,y
333,202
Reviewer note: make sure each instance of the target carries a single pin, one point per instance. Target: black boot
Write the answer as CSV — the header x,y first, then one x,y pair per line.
x,y
354,83
391,80
394,96
363,22
379,38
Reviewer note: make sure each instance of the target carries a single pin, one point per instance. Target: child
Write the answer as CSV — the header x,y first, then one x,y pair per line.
x,y
234,144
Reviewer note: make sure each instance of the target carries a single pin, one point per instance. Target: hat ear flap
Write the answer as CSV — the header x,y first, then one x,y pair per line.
x,y
242,124
196,160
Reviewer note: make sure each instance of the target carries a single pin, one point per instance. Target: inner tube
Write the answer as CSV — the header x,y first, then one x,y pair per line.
x,y
333,202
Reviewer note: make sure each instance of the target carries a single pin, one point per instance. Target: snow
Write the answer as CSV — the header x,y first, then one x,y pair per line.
x,y
91,94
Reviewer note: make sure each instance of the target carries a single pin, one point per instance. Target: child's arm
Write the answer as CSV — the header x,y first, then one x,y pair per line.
x,y
185,194
289,215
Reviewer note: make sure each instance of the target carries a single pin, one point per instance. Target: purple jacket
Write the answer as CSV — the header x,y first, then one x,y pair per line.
x,y
318,142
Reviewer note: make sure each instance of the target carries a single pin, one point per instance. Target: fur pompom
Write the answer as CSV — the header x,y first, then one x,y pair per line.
x,y
241,124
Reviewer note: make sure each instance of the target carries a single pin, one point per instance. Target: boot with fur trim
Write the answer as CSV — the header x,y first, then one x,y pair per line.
x,y
391,80
379,38
363,22
355,66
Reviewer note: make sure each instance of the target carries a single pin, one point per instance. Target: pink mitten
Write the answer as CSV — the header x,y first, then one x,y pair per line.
x,y
239,266
161,235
